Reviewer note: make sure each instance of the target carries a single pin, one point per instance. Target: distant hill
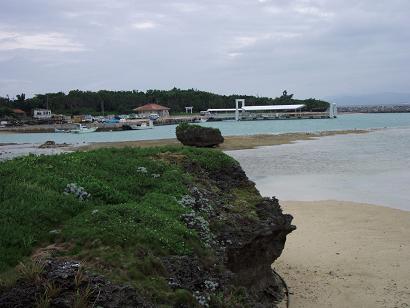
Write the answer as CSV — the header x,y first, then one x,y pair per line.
x,y
371,99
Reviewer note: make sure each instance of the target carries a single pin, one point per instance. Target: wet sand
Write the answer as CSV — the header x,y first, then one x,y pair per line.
x,y
11,150
231,142
346,254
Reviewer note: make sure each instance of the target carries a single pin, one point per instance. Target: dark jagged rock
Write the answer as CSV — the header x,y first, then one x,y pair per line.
x,y
244,247
198,136
50,144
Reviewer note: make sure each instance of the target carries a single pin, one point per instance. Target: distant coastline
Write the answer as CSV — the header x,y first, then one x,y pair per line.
x,y
398,108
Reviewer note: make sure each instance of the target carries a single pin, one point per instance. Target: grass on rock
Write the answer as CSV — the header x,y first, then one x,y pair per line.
x,y
131,218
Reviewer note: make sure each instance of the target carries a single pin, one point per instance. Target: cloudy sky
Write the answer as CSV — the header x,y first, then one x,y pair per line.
x,y
313,48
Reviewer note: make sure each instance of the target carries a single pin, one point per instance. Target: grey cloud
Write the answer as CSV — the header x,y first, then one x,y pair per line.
x,y
314,48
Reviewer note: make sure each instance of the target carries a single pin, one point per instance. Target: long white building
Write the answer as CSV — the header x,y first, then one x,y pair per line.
x,y
243,112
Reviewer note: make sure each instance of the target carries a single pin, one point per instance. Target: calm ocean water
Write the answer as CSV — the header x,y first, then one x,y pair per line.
x,y
371,168
229,128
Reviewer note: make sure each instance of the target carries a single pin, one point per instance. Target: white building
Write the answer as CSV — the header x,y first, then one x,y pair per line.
x,y
267,112
256,112
42,114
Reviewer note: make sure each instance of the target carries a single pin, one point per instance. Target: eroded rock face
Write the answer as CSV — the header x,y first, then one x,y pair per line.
x,y
245,245
198,136
256,247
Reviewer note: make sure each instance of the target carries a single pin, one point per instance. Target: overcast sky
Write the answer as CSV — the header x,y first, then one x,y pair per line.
x,y
313,48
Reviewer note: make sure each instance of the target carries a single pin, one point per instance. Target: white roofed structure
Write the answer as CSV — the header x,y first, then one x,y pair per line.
x,y
267,112
222,110
259,108
272,107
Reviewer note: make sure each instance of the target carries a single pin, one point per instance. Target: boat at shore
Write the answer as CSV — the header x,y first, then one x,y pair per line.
x,y
58,130
201,120
82,129
138,126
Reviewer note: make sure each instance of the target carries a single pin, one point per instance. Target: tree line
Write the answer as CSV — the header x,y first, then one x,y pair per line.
x,y
120,102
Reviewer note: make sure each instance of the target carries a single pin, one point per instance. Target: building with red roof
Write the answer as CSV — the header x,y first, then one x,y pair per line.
x,y
18,112
148,109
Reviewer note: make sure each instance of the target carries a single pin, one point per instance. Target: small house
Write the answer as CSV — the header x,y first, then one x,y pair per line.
x,y
148,109
42,114
19,113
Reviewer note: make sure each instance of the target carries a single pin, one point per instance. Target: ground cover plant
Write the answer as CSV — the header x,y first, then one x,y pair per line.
x,y
118,209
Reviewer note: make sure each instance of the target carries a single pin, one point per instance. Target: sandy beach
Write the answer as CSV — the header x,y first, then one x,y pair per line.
x,y
11,150
346,254
231,142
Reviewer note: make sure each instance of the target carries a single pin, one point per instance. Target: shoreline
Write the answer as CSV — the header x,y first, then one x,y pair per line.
x,y
346,254
231,142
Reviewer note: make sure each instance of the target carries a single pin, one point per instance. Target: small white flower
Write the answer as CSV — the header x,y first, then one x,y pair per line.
x,y
142,170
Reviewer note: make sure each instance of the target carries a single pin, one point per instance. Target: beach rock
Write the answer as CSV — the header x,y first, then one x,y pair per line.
x,y
48,144
245,247
198,136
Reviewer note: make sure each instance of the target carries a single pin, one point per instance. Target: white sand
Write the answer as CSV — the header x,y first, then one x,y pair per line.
x,y
347,254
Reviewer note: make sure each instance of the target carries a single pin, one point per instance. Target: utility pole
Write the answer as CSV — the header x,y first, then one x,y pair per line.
x,y
102,107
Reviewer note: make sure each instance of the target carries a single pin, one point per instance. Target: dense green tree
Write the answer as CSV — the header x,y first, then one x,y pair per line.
x,y
5,112
21,97
77,101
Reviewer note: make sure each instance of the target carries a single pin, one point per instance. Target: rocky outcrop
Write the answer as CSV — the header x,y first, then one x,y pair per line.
x,y
245,244
198,136
240,233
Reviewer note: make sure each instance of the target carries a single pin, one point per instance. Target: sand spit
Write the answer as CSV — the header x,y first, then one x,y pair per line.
x,y
346,254
10,151
231,142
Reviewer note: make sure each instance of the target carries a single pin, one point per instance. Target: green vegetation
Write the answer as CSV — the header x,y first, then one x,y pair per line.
x,y
84,102
5,112
131,218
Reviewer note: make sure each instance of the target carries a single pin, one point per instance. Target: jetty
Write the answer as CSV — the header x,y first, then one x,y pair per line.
x,y
268,112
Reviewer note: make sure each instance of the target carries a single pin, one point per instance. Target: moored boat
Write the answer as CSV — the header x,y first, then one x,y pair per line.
x,y
58,130
139,126
82,129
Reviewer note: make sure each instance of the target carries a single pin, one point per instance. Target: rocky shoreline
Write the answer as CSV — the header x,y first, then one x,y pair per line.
x,y
241,234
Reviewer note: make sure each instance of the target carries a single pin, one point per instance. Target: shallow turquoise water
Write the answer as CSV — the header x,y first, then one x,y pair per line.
x,y
370,168
228,128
